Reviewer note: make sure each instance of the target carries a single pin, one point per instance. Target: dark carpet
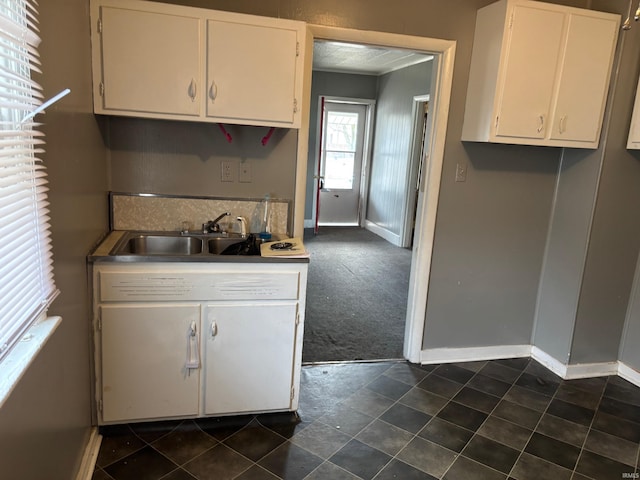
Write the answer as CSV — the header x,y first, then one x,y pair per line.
x,y
356,296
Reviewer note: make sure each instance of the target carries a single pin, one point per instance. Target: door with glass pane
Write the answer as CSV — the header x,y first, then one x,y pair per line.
x,y
341,163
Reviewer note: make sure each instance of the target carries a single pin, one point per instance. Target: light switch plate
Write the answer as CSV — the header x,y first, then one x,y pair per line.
x,y
461,172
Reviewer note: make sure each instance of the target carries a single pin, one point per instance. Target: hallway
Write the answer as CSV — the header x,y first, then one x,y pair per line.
x,y
356,296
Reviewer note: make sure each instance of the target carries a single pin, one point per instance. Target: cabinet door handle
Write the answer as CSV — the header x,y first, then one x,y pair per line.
x,y
540,123
213,91
214,329
563,124
193,90
193,354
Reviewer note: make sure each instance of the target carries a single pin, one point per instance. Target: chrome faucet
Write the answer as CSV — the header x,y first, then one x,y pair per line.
x,y
212,226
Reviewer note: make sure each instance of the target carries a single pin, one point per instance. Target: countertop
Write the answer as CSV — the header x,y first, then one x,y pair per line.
x,y
103,253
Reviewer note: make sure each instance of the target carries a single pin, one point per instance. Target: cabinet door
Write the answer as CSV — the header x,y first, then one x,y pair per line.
x,y
249,357
144,350
251,72
150,62
529,72
584,78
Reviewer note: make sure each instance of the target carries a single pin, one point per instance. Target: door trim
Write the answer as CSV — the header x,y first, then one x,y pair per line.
x,y
415,162
366,152
444,54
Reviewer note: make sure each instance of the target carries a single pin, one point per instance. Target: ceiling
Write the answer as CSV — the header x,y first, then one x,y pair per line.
x,y
362,59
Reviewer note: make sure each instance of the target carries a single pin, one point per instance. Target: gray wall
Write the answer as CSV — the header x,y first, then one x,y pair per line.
x,y
184,158
45,422
489,246
629,351
491,230
593,241
331,85
490,234
567,244
392,144
615,233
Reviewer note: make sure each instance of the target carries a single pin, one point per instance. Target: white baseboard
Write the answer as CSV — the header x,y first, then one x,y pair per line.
x,y
572,372
588,370
628,373
473,354
90,455
384,233
566,372
553,364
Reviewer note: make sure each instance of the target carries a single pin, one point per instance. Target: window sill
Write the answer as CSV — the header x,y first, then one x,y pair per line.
x,y
16,363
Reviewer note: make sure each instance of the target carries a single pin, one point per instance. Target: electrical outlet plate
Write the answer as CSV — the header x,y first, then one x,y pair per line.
x,y
226,172
461,172
245,172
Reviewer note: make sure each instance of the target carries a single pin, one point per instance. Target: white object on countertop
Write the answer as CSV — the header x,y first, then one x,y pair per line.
x,y
243,225
293,248
266,221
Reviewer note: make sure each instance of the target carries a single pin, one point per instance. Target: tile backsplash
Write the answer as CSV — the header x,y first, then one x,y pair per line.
x,y
167,213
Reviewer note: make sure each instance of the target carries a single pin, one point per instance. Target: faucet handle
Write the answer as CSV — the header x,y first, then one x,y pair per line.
x,y
211,227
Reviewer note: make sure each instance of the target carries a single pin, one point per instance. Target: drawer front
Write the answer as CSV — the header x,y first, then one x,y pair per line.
x,y
197,286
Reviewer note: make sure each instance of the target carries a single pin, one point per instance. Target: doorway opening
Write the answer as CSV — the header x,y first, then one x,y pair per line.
x,y
344,139
357,286
443,52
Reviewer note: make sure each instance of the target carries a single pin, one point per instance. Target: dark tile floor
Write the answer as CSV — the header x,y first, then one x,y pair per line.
x,y
392,420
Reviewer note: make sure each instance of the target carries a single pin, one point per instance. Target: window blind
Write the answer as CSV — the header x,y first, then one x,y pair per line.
x,y
26,275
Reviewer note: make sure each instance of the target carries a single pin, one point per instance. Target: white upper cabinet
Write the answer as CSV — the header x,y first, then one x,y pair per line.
x,y
633,142
167,61
251,72
539,74
584,79
145,70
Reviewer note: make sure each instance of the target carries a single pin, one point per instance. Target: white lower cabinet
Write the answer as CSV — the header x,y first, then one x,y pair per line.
x,y
144,372
249,358
197,339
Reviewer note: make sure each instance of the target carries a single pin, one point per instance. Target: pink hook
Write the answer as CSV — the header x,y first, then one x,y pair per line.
x,y
266,138
225,133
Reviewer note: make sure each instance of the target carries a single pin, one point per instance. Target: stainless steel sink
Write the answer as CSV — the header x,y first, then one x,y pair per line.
x,y
219,244
161,245
174,244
